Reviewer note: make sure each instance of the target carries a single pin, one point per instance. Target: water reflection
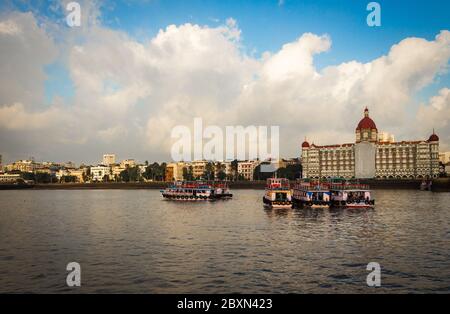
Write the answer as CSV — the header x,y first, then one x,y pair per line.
x,y
132,241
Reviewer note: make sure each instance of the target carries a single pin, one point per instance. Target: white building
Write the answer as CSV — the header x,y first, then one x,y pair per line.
x,y
198,168
369,157
174,171
115,171
77,173
128,163
21,165
99,172
109,159
246,168
224,166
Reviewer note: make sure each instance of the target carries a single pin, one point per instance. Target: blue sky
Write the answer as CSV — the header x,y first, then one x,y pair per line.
x,y
268,24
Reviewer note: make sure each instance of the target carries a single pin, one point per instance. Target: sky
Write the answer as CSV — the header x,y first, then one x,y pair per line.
x,y
134,70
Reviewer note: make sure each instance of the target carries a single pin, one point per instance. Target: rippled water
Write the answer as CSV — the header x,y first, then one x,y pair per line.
x,y
132,241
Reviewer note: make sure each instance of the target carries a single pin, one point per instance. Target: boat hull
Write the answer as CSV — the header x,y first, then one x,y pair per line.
x,y
192,198
224,196
14,186
343,204
186,198
310,204
277,204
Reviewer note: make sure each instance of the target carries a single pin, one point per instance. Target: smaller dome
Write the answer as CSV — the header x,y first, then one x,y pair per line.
x,y
366,122
305,144
433,138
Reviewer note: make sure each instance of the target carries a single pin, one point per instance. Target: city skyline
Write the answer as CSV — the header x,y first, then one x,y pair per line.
x,y
121,82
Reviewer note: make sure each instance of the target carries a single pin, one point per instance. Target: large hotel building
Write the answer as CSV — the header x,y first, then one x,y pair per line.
x,y
373,155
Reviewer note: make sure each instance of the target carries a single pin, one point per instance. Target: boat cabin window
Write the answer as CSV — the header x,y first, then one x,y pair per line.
x,y
280,196
317,196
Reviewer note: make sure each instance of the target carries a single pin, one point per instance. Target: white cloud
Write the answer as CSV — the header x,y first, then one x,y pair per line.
x,y
25,49
129,94
9,27
16,117
436,115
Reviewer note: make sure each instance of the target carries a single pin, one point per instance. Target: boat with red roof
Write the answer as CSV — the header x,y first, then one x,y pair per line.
x,y
311,193
197,191
351,195
278,193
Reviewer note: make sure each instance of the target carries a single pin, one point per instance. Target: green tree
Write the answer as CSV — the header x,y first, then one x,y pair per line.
x,y
44,177
69,179
220,170
188,173
208,174
234,168
148,174
105,178
221,175
163,167
134,174
155,171
87,174
130,174
291,172
124,176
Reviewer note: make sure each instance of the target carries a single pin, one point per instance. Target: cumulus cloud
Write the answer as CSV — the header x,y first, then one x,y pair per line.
x,y
436,115
25,48
128,95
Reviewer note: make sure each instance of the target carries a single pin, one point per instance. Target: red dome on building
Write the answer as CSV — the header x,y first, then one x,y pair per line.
x,y
433,138
305,144
366,122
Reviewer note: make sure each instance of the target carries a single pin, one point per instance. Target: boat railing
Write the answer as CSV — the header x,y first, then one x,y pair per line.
x,y
351,186
199,184
277,188
312,186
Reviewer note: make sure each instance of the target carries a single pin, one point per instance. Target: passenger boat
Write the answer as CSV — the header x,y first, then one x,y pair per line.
x,y
313,194
221,190
351,195
277,194
196,191
17,184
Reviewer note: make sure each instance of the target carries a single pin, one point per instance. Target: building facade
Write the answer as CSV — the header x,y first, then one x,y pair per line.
x,y
372,156
174,171
247,168
116,170
128,163
77,173
109,159
22,166
99,172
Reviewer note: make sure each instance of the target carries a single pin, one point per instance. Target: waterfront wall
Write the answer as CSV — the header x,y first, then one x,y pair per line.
x,y
439,185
